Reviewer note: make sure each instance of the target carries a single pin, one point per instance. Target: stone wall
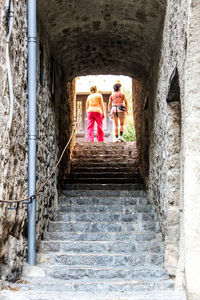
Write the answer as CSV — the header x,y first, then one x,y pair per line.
x,y
52,111
67,117
164,129
48,96
140,112
191,152
13,145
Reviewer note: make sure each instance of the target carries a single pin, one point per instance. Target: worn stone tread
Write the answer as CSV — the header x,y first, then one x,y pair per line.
x,y
105,180
97,285
128,223
103,186
103,193
86,207
98,259
97,200
93,236
116,225
109,169
80,272
45,295
92,267
103,174
110,254
106,157
101,246
103,222
134,233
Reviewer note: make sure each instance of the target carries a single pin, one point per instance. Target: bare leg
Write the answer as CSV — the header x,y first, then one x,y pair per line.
x,y
121,119
115,119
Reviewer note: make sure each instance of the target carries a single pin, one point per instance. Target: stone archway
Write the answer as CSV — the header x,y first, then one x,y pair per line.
x,y
103,37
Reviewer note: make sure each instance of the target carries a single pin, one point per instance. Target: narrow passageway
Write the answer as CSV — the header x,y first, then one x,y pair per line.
x,y
116,220
104,242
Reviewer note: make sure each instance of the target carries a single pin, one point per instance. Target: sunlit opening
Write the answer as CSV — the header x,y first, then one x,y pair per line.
x,y
104,84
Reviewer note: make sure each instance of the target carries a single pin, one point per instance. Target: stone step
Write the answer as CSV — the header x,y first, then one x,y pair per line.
x,y
103,193
103,187
104,146
103,226
103,236
30,293
86,208
97,259
87,273
105,158
95,163
105,180
96,286
107,201
99,217
101,246
101,169
66,222
105,153
106,174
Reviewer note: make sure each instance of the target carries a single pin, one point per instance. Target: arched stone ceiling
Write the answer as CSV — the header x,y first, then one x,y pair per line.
x,y
103,36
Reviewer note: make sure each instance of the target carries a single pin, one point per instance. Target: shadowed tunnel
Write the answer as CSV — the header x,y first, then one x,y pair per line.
x,y
106,37
103,37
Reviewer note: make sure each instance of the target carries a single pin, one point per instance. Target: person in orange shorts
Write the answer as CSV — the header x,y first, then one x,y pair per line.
x,y
95,113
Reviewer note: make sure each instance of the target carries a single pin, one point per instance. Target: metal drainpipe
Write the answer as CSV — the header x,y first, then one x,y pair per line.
x,y
32,62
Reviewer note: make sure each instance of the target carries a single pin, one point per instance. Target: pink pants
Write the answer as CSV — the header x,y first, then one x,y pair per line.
x,y
92,117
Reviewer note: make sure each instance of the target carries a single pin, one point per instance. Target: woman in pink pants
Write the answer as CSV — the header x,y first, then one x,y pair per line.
x,y
95,113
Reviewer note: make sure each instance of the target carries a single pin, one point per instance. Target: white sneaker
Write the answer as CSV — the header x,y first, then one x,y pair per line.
x,y
121,139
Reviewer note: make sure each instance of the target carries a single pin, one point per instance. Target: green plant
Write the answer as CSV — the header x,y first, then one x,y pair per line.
x,y
129,130
129,134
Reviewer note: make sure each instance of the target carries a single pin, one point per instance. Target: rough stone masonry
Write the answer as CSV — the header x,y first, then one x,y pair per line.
x,y
51,98
158,126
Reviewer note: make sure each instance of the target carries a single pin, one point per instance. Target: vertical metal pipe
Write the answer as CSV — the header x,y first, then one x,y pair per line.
x,y
32,51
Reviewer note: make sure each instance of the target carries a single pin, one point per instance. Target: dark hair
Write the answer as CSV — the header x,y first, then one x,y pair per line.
x,y
116,87
93,89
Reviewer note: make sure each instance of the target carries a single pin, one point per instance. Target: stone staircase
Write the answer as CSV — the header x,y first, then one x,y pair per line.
x,y
104,242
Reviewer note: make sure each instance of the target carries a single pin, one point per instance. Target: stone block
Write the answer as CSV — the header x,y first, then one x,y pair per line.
x,y
173,217
173,198
171,259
